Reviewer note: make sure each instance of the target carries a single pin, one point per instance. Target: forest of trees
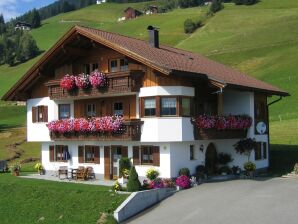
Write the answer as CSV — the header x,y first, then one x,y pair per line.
x,y
16,46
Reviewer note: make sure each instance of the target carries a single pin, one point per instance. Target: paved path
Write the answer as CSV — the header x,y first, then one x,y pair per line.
x,y
272,201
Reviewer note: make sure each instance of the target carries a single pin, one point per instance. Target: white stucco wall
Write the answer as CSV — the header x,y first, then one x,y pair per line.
x,y
167,129
38,132
167,91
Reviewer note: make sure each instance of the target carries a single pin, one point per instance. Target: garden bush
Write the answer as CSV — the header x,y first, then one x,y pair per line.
x,y
224,158
184,171
225,169
152,174
133,183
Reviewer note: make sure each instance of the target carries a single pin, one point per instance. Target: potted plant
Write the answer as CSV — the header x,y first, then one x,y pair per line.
x,y
182,182
245,146
152,174
250,168
39,168
15,169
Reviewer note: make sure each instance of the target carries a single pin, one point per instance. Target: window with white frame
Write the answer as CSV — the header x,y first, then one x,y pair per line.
x,y
168,106
150,107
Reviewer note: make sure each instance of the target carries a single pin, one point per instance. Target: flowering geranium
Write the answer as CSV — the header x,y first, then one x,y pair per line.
x,y
157,183
222,122
80,125
82,81
68,82
97,79
183,181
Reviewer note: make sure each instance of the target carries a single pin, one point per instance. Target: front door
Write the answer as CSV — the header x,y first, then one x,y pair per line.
x,y
211,159
112,156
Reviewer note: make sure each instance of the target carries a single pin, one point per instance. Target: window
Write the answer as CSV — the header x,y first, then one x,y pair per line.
x,y
185,107
91,110
94,66
150,107
191,152
123,65
64,111
118,108
113,65
61,153
147,155
39,114
89,154
87,68
261,151
168,106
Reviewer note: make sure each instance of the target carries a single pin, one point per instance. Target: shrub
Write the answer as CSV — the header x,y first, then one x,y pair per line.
x,y
169,182
152,174
224,158
225,169
124,165
249,166
133,183
157,183
184,172
116,186
216,6
189,26
245,2
183,181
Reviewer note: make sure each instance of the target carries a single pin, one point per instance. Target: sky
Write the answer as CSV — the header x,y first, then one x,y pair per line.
x,y
12,8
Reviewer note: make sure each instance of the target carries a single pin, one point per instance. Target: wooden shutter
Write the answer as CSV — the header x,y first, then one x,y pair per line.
x,y
52,153
45,114
156,156
136,155
96,154
107,174
124,151
81,154
34,114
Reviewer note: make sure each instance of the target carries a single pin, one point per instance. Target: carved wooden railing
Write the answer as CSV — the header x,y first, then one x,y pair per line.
x,y
130,131
124,82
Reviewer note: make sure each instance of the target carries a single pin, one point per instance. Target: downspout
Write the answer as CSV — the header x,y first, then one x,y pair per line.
x,y
273,102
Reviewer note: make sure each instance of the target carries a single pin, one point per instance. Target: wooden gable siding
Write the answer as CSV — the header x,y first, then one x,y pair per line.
x,y
104,106
63,70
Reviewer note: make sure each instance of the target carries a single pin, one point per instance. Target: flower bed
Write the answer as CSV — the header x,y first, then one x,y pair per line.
x,y
83,81
108,124
231,122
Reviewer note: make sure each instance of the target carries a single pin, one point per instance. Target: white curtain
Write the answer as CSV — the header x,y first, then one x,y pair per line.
x,y
168,102
150,103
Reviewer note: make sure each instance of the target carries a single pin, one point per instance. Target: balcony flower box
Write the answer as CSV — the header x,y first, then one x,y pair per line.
x,y
221,127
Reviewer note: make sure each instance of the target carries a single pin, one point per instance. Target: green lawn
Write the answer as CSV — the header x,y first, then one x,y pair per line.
x,y
54,202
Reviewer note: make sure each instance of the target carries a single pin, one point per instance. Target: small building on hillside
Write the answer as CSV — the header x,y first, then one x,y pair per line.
x,y
152,9
131,13
98,2
22,26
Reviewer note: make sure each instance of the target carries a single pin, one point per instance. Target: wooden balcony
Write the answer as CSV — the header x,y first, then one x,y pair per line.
x,y
130,131
117,83
211,134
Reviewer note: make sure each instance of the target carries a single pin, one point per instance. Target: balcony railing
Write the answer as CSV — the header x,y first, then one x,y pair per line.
x,y
124,82
130,131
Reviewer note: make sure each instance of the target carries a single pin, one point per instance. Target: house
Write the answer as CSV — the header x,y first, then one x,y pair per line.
x,y
131,13
156,89
152,9
98,2
22,26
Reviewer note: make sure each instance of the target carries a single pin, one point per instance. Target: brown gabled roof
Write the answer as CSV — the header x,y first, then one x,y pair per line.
x,y
167,60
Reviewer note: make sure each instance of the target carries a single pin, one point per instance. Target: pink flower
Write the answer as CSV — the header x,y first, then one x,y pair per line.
x,y
82,81
97,79
68,82
183,181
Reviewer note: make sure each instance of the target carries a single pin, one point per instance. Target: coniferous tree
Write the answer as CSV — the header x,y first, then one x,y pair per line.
x,y
133,183
27,48
2,25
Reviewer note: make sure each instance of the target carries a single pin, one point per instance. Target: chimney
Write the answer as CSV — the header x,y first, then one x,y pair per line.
x,y
153,36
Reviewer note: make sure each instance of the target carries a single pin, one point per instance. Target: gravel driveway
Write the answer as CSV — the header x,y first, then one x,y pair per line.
x,y
240,201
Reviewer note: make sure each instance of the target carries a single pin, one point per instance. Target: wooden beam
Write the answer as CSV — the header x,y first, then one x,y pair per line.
x,y
220,104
